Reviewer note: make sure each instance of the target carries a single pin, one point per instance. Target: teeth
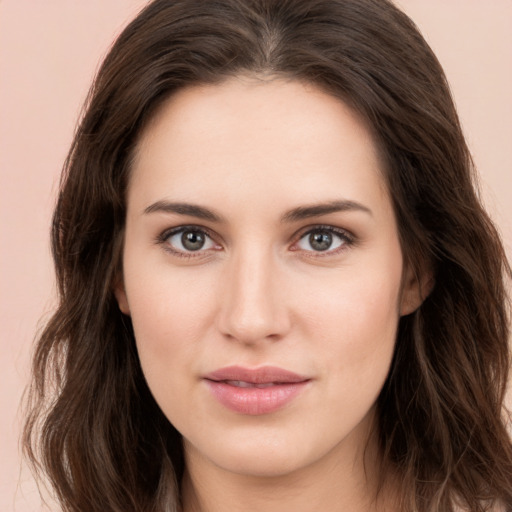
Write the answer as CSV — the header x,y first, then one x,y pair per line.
x,y
243,384
240,384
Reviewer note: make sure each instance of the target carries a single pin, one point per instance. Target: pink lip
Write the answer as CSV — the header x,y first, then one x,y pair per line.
x,y
255,391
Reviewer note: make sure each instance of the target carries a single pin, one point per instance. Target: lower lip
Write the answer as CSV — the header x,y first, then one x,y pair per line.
x,y
254,401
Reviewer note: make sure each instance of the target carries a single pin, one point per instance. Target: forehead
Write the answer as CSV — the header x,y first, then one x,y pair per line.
x,y
262,136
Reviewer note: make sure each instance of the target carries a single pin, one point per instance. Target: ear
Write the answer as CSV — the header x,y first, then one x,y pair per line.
x,y
120,294
416,287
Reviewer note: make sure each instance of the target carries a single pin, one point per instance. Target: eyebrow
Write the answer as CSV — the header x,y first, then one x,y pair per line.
x,y
294,215
316,210
191,210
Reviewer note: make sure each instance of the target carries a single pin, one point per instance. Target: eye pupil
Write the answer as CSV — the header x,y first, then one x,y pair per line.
x,y
192,240
320,240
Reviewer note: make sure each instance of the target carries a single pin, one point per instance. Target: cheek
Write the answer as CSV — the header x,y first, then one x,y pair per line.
x,y
354,323
170,317
170,312
359,308
353,331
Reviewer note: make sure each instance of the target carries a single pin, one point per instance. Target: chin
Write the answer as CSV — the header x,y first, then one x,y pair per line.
x,y
263,464
261,455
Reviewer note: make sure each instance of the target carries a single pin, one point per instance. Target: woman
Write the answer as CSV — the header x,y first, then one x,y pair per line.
x,y
278,287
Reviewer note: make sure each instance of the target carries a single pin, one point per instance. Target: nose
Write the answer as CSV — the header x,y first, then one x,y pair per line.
x,y
253,306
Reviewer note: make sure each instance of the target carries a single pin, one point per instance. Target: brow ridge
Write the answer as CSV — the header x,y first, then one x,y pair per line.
x,y
316,210
191,210
294,215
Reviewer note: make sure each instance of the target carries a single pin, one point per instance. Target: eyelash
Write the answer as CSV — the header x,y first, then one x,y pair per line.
x,y
347,240
163,239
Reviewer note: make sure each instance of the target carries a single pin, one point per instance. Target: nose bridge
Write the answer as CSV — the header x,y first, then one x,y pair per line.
x,y
250,308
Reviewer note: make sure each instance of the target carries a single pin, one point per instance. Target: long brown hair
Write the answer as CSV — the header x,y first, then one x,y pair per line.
x,y
93,426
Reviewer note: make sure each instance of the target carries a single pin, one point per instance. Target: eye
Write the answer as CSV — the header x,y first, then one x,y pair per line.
x,y
323,239
187,240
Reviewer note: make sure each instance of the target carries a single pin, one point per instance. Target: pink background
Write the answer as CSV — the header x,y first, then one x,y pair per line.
x,y
49,51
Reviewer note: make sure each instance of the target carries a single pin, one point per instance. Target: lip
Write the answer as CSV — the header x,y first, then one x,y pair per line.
x,y
255,391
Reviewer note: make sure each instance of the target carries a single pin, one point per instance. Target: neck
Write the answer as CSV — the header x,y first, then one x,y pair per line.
x,y
345,479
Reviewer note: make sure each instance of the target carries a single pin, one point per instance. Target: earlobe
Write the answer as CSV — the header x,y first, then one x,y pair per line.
x,y
416,287
120,294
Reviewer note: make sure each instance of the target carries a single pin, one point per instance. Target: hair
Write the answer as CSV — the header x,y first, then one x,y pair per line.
x,y
93,426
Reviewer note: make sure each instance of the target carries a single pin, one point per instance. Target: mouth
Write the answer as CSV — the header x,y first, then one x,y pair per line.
x,y
255,391
266,375
243,384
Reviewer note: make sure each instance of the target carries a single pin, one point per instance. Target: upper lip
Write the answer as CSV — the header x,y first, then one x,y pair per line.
x,y
261,375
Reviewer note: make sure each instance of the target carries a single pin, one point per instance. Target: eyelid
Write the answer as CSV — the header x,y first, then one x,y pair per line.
x,y
163,237
348,238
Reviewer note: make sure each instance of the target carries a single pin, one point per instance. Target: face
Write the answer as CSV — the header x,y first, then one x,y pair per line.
x,y
263,273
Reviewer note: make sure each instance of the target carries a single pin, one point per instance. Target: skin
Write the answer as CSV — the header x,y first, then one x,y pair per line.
x,y
258,293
